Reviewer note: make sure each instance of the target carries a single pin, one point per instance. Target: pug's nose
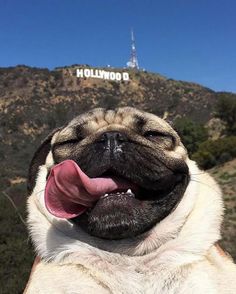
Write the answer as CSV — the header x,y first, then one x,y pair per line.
x,y
112,139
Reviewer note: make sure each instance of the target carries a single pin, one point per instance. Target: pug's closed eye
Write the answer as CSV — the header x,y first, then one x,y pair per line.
x,y
156,136
69,141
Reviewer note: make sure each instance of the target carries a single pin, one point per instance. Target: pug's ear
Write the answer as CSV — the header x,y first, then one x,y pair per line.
x,y
39,159
168,120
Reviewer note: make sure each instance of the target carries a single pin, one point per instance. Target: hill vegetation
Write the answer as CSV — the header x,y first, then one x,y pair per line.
x,y
34,101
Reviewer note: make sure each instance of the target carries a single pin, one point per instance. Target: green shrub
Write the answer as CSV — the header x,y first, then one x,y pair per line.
x,y
192,133
211,153
226,110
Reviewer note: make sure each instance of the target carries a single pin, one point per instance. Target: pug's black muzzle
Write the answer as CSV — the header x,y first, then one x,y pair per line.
x,y
160,183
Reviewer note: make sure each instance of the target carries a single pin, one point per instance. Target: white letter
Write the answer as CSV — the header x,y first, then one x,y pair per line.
x,y
87,72
79,73
100,73
106,75
112,75
96,75
125,76
118,76
92,73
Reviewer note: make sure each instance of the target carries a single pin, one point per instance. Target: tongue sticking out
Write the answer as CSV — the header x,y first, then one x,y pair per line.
x,y
69,191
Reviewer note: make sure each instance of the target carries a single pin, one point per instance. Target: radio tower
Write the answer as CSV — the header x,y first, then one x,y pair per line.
x,y
133,62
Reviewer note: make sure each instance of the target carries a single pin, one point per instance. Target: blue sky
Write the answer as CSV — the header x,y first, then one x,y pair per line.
x,y
191,40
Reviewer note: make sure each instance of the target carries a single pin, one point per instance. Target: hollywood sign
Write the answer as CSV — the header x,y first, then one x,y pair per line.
x,y
101,74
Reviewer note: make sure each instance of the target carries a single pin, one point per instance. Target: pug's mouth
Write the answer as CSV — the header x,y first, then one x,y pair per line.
x,y
115,203
133,210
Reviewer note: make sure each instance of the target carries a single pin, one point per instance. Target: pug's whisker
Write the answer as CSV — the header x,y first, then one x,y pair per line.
x,y
203,183
198,174
39,192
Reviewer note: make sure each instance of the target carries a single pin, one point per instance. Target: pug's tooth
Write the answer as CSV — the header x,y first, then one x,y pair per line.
x,y
129,191
104,196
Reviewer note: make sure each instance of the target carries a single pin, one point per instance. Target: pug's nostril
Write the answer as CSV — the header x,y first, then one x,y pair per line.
x,y
109,138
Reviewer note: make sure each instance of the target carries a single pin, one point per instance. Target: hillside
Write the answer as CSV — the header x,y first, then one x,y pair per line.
x,y
226,177
34,101
42,88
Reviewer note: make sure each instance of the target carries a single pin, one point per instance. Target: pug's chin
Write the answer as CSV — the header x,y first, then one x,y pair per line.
x,y
122,215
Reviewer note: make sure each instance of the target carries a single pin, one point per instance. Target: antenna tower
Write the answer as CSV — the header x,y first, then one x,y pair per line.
x,y
133,62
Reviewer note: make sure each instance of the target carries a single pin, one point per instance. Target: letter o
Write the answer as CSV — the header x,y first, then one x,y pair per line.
x,y
87,72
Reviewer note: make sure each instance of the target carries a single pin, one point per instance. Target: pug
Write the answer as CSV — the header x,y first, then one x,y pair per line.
x,y
117,206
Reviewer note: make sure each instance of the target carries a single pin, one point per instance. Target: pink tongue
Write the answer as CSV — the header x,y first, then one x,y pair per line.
x,y
69,191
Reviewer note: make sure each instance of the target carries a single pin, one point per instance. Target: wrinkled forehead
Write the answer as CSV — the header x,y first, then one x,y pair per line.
x,y
127,117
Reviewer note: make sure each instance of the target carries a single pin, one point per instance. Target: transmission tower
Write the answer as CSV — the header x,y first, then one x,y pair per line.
x,y
133,62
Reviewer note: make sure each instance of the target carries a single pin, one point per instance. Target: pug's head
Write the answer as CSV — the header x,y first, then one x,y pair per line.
x,y
132,146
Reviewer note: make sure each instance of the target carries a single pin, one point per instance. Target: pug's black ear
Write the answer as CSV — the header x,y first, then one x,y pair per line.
x,y
38,160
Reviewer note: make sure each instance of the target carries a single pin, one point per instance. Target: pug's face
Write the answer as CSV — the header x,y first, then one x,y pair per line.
x,y
131,145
